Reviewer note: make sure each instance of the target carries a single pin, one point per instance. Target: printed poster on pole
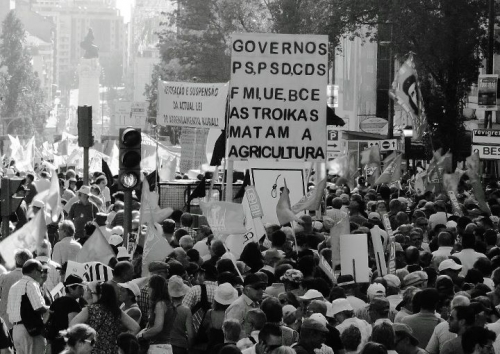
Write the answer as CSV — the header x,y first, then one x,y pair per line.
x,y
278,97
196,105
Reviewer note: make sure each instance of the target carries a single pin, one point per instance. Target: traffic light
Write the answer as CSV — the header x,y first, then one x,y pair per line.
x,y
129,177
9,201
85,138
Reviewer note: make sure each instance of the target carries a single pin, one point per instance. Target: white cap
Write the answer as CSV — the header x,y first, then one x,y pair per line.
x,y
311,294
449,264
132,287
375,289
339,305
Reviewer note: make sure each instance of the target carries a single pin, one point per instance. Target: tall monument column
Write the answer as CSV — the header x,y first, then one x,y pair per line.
x,y
89,71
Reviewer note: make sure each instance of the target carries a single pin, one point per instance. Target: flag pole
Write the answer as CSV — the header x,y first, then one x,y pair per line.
x,y
156,131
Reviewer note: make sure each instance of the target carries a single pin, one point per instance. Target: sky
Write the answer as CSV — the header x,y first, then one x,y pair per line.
x,y
124,6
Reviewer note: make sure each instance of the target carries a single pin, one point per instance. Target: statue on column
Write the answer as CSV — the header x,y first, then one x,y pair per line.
x,y
91,50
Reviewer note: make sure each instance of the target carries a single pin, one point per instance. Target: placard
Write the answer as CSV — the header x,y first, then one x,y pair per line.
x,y
269,183
90,271
278,97
254,202
196,105
487,92
378,250
354,257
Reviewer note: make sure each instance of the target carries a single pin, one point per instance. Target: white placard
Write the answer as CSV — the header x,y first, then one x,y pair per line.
x,y
487,152
278,97
194,105
354,257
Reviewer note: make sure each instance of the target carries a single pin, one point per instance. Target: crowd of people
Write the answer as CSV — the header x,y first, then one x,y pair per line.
x,y
443,297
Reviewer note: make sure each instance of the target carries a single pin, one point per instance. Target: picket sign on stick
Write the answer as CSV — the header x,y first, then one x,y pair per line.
x,y
325,267
454,204
378,250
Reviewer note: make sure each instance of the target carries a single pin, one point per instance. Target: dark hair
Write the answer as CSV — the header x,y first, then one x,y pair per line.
x,y
490,237
107,298
278,238
337,292
77,333
466,313
179,233
351,338
384,334
226,265
269,329
428,299
476,335
159,290
100,179
168,226
252,256
128,343
122,268
306,265
468,240
271,306
176,215
373,348
89,228
445,239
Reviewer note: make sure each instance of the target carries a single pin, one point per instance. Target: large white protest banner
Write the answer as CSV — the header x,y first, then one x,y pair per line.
x,y
278,97
195,105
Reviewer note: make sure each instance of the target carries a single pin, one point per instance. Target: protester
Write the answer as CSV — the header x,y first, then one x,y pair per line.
x,y
79,339
107,318
67,248
25,343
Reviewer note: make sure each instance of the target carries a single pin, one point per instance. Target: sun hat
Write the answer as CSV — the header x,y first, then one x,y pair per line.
x,y
133,287
404,330
84,190
225,294
293,276
315,322
311,294
176,287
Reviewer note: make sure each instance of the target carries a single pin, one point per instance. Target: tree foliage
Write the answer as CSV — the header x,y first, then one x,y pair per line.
x,y
23,99
447,37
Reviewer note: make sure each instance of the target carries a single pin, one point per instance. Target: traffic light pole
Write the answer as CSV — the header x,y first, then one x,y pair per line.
x,y
86,166
127,216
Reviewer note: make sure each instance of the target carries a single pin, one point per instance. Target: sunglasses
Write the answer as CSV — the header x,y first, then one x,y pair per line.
x,y
90,341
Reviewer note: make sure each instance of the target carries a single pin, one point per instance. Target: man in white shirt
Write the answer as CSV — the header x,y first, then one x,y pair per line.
x,y
53,276
24,343
445,242
67,248
468,256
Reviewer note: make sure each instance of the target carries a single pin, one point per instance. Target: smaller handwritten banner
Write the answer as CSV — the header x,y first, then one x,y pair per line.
x,y
194,105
